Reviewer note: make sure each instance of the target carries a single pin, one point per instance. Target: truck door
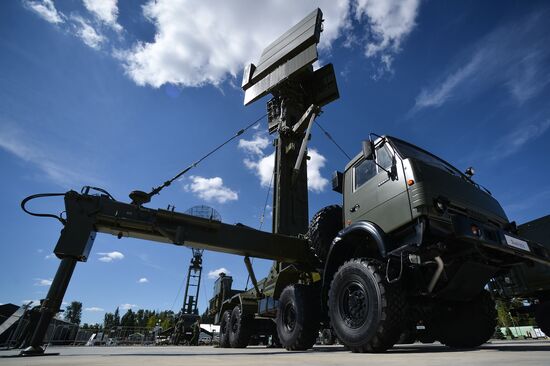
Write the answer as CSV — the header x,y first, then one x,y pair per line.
x,y
377,197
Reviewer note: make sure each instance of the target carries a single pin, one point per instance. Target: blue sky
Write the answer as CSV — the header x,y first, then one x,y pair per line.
x,y
126,94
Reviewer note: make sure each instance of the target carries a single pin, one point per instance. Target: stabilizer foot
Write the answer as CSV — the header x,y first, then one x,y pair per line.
x,y
32,351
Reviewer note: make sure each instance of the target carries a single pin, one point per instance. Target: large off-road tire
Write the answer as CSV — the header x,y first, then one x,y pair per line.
x,y
239,328
298,317
323,228
542,316
224,329
466,324
366,312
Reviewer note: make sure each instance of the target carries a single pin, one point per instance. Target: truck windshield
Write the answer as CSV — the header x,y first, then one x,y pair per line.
x,y
410,151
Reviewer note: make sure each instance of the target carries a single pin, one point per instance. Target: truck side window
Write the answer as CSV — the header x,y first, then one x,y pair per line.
x,y
364,171
384,157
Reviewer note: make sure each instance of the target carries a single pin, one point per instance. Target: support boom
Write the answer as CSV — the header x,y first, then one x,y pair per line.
x,y
88,214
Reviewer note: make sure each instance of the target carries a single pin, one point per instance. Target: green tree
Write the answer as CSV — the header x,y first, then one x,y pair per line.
x,y
167,319
128,319
109,321
508,317
152,320
503,313
73,312
116,319
141,318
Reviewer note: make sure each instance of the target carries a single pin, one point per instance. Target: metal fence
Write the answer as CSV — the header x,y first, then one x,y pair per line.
x,y
61,332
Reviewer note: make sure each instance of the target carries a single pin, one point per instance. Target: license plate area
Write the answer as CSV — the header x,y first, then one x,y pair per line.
x,y
517,243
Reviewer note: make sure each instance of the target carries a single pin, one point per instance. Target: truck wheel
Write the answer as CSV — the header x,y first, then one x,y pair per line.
x,y
297,317
239,329
542,317
323,228
366,312
224,329
467,325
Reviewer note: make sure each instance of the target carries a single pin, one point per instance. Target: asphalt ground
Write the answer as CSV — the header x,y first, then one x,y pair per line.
x,y
496,353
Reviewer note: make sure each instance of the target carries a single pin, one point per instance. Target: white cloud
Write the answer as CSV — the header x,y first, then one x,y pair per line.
x,y
513,56
264,165
388,23
211,189
42,282
104,10
438,95
46,10
254,146
127,306
49,256
143,280
315,181
17,142
197,43
111,256
215,273
88,34
202,42
515,140
94,309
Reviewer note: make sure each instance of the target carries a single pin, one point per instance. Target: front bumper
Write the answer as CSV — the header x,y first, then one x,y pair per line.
x,y
481,234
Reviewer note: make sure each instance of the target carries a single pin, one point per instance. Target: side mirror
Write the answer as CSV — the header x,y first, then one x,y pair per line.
x,y
337,182
368,150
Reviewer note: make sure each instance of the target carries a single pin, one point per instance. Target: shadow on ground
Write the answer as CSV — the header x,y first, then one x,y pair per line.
x,y
525,346
401,349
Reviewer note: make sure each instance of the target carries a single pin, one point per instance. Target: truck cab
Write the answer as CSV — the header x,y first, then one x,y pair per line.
x,y
420,240
399,187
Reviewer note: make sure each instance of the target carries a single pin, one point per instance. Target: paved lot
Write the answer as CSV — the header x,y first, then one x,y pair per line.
x,y
494,354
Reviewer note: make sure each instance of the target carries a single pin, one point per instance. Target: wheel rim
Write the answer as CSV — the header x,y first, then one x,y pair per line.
x,y
354,305
289,318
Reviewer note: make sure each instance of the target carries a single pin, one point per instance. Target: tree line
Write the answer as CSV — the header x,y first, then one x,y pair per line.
x,y
148,319
141,318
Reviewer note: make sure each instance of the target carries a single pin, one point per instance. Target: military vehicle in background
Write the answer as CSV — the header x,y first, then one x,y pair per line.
x,y
415,239
242,328
530,283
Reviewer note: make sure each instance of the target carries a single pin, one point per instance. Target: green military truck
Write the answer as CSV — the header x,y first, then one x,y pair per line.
x,y
529,282
414,242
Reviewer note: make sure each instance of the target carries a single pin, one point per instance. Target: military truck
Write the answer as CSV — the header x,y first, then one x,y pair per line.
x,y
530,283
414,242
414,239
